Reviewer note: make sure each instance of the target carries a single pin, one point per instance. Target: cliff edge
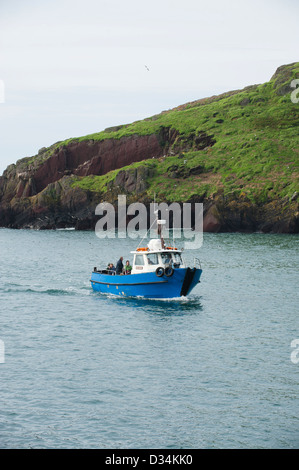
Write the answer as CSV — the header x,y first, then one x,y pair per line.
x,y
236,152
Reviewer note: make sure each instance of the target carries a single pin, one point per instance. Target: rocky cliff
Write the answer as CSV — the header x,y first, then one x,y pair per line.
x,y
237,153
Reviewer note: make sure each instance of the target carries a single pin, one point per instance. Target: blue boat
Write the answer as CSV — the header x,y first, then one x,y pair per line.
x,y
158,272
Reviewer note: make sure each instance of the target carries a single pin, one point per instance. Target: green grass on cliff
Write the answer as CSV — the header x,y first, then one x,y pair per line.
x,y
256,149
266,109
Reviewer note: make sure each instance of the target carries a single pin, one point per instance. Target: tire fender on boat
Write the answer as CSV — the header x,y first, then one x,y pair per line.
x,y
160,271
168,271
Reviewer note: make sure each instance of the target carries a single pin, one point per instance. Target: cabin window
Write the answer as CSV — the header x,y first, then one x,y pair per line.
x,y
177,258
152,258
166,258
139,261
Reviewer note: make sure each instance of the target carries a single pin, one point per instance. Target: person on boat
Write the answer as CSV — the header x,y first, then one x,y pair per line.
x,y
166,258
119,266
111,268
128,267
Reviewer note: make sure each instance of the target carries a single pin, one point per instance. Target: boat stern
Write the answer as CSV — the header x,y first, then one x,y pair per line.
x,y
191,279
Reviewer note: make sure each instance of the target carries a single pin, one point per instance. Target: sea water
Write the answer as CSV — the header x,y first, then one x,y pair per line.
x,y
79,369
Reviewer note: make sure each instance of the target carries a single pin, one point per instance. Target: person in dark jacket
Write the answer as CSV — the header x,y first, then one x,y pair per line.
x,y
119,266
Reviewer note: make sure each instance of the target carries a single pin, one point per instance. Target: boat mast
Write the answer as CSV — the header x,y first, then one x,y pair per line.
x,y
160,223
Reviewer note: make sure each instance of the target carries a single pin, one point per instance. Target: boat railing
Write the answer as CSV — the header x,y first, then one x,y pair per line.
x,y
104,271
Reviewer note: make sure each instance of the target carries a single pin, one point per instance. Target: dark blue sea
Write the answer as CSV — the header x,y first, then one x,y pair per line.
x,y
86,370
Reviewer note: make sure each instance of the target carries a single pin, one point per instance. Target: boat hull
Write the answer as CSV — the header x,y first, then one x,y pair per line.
x,y
147,285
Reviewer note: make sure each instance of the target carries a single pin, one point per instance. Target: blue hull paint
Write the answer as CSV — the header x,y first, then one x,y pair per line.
x,y
147,285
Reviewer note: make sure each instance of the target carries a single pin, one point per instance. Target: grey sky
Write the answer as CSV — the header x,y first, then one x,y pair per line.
x,y
73,67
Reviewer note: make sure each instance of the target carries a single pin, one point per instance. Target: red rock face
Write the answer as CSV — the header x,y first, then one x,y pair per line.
x,y
96,158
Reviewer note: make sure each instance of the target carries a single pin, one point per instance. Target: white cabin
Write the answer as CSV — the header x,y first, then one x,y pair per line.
x,y
153,256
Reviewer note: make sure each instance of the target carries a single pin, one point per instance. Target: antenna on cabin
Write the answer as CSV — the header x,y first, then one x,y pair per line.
x,y
155,221
155,211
